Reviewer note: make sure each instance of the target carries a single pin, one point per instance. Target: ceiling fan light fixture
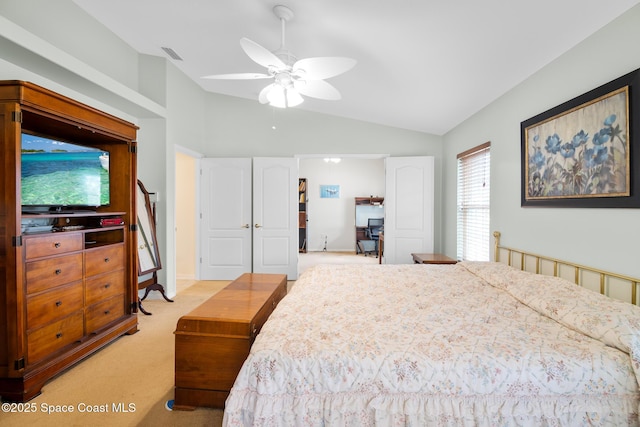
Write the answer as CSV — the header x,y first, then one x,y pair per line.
x,y
276,96
284,79
293,98
282,97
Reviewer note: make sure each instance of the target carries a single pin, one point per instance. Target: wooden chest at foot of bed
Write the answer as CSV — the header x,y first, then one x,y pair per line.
x,y
213,341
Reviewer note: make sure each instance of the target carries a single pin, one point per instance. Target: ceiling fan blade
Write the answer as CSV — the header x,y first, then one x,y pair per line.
x,y
322,67
238,76
260,54
317,89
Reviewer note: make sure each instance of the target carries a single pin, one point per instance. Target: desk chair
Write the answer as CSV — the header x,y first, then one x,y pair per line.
x,y
367,247
374,227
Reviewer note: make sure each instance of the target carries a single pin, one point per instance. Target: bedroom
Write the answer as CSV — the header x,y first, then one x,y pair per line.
x,y
602,238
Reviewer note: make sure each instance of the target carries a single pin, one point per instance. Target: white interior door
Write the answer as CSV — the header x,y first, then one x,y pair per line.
x,y
275,216
409,210
225,197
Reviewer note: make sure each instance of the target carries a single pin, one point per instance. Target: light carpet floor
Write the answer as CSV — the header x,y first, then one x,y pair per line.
x,y
309,259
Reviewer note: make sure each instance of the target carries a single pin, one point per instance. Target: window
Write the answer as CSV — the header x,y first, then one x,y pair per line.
x,y
473,204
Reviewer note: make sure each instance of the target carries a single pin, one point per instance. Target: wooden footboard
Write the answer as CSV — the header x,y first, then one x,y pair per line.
x,y
614,285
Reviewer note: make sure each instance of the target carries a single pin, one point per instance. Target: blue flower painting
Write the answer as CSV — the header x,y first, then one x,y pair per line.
x,y
581,153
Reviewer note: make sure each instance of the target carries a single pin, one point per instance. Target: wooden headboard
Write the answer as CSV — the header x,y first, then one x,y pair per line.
x,y
614,285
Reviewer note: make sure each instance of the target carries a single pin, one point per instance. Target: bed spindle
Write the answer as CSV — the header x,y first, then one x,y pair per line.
x,y
579,270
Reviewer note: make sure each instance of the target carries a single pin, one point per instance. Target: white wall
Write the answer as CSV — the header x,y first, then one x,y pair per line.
x,y
335,218
605,238
243,128
56,21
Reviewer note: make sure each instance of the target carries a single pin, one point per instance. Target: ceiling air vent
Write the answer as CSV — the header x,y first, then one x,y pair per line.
x,y
172,53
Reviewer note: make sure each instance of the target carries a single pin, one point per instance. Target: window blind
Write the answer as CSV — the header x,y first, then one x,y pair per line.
x,y
473,235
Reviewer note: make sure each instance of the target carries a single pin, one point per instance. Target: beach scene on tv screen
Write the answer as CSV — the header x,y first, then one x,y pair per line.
x,y
58,173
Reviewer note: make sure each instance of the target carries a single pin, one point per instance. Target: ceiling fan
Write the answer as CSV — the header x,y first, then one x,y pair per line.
x,y
291,77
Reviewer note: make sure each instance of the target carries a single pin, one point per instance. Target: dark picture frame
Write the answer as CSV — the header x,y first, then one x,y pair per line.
x,y
583,153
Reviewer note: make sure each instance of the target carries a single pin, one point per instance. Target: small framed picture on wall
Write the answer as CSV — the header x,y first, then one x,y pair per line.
x,y
329,191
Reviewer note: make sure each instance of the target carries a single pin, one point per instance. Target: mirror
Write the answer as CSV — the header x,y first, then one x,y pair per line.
x,y
148,254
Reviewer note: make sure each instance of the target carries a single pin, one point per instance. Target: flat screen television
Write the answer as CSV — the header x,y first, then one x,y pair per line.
x,y
60,175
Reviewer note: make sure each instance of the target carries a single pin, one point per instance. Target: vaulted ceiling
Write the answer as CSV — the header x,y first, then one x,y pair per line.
x,y
424,65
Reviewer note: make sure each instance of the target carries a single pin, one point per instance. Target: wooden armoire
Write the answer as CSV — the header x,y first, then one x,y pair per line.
x,y
68,291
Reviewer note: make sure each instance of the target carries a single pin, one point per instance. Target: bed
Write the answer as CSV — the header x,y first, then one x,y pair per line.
x,y
476,343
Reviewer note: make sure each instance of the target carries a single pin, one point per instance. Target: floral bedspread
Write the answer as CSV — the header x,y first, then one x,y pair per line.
x,y
443,345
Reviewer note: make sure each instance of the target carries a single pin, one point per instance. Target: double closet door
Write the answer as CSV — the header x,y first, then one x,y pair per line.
x,y
249,217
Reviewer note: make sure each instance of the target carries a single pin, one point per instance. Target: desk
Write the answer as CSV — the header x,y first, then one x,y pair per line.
x,y
432,259
380,247
361,234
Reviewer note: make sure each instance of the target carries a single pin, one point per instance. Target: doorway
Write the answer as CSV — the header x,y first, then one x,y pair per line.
x,y
186,205
331,220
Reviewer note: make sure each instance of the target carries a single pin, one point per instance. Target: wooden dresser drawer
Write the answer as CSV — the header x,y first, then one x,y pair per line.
x,y
104,259
52,244
54,304
104,286
46,340
103,313
51,272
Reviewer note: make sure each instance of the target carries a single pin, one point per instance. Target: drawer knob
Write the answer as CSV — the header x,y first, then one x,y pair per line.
x,y
107,285
58,271
56,244
107,311
106,260
59,335
58,303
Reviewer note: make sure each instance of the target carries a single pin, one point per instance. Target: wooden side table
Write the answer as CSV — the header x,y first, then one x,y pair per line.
x,y
432,259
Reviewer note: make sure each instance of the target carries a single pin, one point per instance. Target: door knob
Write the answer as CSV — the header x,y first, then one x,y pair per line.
x,y
245,226
257,226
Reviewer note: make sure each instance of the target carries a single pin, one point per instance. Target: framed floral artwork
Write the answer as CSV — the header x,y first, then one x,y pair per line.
x,y
582,153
